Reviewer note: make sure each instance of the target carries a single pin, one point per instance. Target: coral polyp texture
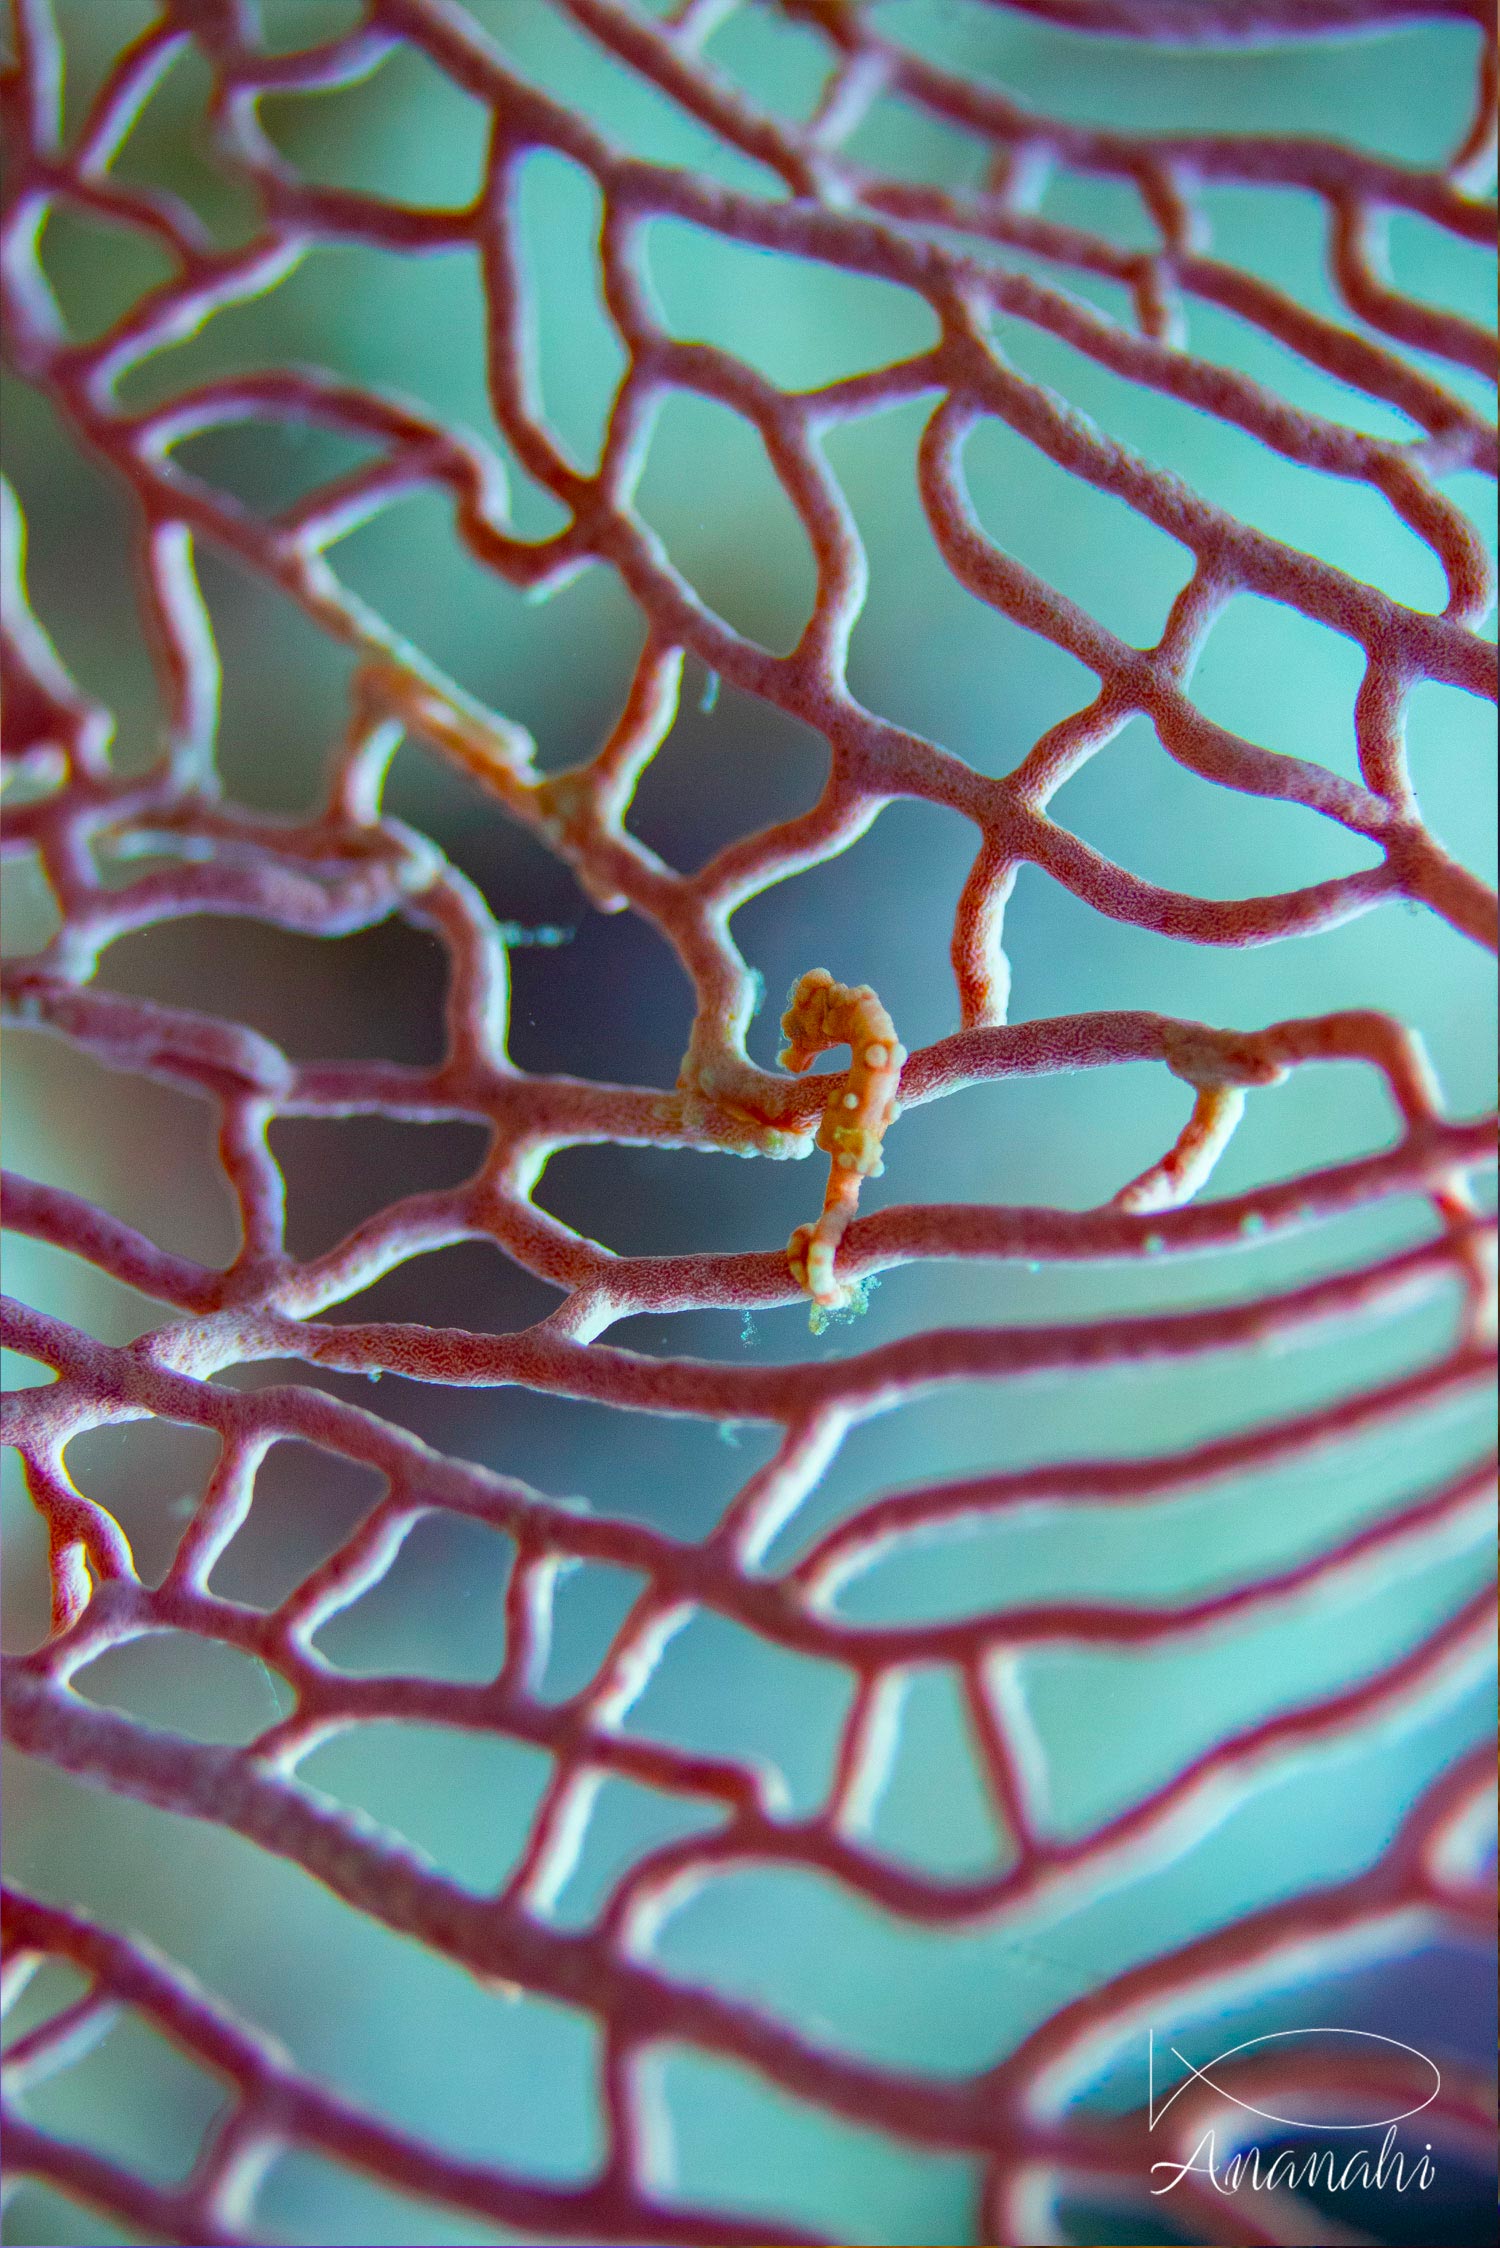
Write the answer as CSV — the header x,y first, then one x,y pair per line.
x,y
1364,384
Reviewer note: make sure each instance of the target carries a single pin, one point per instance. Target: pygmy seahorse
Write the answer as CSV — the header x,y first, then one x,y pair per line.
x,y
820,1014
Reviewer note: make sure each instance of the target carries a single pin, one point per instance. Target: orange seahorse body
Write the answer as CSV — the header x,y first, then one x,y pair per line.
x,y
820,1014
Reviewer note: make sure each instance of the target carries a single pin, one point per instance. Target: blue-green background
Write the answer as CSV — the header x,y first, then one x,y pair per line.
x,y
422,2042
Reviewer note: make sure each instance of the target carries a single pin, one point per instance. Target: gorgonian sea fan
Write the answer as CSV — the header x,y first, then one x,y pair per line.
x,y
1350,375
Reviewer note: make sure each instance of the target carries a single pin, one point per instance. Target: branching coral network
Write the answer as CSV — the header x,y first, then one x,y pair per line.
x,y
350,866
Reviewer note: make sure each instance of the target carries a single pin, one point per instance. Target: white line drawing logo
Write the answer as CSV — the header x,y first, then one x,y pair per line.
x,y
1297,2122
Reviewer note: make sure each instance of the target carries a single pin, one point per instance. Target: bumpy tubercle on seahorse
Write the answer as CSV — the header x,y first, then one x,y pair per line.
x,y
821,1013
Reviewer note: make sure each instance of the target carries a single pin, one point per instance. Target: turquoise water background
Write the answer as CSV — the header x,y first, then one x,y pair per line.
x,y
514,2079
